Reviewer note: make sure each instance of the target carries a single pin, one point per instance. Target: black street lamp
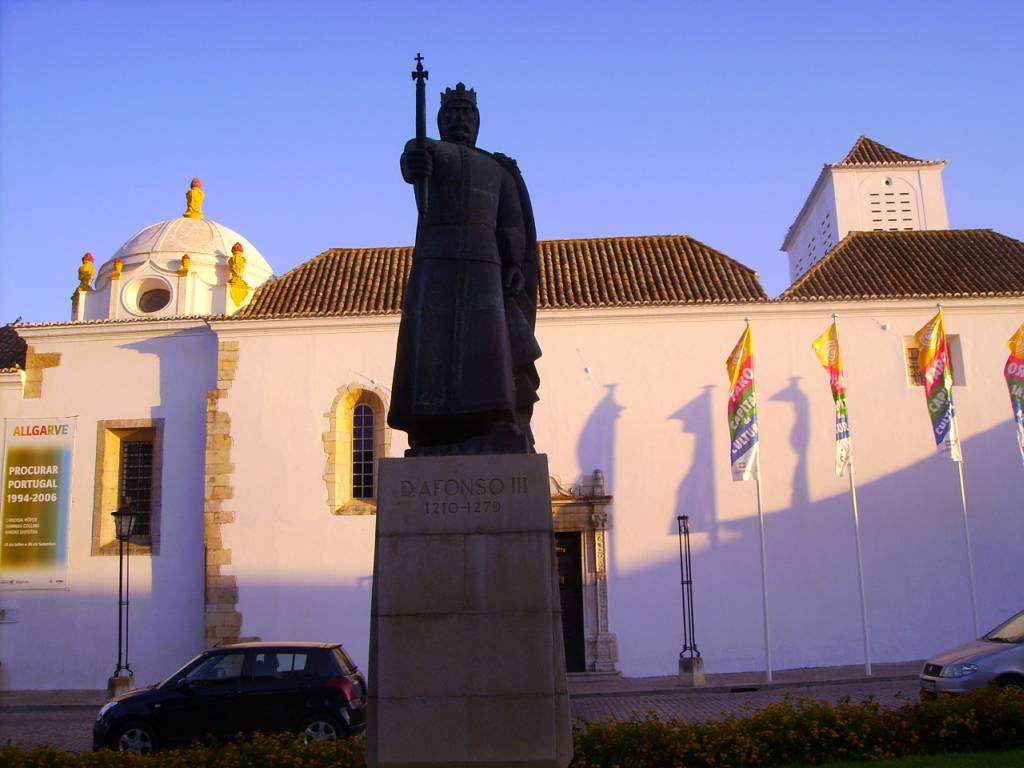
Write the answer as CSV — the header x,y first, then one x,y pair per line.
x,y
691,666
124,524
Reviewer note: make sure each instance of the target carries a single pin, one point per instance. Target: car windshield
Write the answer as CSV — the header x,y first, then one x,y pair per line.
x,y
1011,631
182,668
217,667
208,666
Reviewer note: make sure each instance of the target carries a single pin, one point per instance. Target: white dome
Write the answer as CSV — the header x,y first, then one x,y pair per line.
x,y
167,241
180,267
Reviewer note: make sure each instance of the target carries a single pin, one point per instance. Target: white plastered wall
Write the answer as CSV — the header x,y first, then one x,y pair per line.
x,y
666,448
853,186
303,573
641,394
68,638
816,230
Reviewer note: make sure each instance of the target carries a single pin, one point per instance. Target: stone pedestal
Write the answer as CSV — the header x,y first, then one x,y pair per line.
x,y
691,671
467,662
118,685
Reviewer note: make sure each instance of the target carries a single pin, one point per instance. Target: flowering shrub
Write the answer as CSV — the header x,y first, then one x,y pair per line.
x,y
792,731
284,751
804,731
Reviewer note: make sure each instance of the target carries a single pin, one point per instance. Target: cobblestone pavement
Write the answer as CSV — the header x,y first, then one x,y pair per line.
x,y
65,729
63,720
704,706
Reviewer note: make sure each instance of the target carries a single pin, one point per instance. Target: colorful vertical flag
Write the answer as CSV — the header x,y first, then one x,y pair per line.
x,y
933,361
826,347
1014,372
742,408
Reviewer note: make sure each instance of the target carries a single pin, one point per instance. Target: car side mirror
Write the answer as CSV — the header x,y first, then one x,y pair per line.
x,y
185,685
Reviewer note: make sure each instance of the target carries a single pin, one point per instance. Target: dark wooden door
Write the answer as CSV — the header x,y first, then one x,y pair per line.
x,y
568,546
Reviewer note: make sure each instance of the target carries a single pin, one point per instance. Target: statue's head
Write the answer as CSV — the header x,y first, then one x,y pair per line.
x,y
458,120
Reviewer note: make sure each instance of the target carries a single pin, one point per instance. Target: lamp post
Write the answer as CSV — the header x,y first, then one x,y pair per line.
x,y
691,665
124,523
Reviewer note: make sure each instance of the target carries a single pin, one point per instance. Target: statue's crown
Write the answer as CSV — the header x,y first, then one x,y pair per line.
x,y
460,93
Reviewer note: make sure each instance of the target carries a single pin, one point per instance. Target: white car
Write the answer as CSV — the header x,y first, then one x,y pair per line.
x,y
996,658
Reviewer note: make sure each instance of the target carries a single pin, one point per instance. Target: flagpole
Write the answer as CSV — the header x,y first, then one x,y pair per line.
x,y
856,536
967,539
764,567
956,445
860,571
764,576
749,461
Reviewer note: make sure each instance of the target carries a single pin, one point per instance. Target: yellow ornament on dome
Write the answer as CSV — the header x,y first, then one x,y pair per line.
x,y
186,263
118,268
86,272
194,200
236,263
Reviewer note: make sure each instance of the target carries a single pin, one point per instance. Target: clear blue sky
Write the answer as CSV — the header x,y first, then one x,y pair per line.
x,y
706,118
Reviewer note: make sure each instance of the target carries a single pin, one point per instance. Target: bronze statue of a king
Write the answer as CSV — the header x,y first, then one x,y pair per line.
x,y
465,375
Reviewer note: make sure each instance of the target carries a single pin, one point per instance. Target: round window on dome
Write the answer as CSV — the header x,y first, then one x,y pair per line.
x,y
154,299
147,296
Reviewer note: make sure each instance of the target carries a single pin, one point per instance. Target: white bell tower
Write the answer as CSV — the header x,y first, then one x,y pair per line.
x,y
873,188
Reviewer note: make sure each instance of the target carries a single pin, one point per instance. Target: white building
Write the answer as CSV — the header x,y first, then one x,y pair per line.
x,y
259,527
872,189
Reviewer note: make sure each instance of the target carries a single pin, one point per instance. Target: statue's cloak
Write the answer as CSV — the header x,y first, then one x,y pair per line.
x,y
463,344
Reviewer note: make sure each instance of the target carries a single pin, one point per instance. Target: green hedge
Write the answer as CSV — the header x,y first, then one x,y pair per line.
x,y
793,731
804,731
285,751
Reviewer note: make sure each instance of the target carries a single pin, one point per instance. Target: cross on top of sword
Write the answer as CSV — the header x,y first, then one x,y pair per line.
x,y
420,74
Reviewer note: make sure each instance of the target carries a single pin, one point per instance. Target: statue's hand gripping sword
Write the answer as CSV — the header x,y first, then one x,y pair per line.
x,y
420,76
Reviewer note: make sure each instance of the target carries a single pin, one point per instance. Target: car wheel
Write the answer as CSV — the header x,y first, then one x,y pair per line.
x,y
137,738
321,728
1012,683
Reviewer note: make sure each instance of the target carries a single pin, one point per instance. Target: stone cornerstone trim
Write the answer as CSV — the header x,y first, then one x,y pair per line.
x,y
583,508
222,619
35,364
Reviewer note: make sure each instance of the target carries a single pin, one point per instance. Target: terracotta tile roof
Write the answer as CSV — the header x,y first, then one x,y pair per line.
x,y
915,264
574,274
340,281
653,269
869,152
12,348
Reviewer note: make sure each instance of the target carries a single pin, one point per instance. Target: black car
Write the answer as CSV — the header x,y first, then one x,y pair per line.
x,y
309,688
